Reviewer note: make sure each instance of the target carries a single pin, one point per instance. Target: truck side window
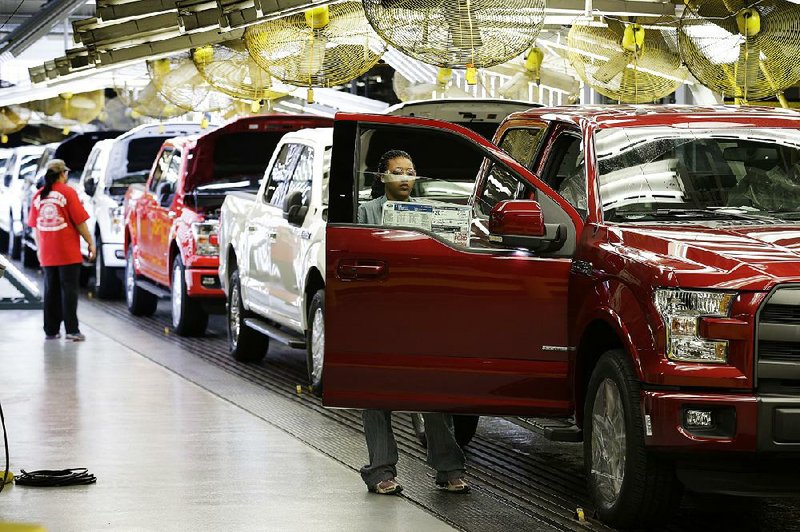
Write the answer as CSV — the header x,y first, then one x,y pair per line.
x,y
523,143
158,171
565,170
169,180
499,185
303,174
278,178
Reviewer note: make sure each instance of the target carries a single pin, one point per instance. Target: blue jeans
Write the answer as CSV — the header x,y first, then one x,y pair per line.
x,y
444,453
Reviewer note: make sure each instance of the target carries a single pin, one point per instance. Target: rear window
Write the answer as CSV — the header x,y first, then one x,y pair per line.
x,y
142,152
238,162
244,154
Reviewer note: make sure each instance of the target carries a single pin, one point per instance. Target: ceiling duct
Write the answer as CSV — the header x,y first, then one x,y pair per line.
x,y
116,9
196,15
94,33
36,27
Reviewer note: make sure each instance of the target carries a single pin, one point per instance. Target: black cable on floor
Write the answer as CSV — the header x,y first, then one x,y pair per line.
x,y
5,446
53,478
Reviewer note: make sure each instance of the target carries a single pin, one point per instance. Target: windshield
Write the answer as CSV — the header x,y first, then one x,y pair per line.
x,y
649,173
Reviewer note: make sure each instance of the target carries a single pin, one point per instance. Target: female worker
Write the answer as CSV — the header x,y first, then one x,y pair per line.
x,y
59,219
444,455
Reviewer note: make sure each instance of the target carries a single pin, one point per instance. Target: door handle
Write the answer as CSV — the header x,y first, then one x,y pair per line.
x,y
272,236
252,228
172,214
352,270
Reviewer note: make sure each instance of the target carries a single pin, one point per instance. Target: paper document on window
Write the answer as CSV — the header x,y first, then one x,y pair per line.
x,y
451,222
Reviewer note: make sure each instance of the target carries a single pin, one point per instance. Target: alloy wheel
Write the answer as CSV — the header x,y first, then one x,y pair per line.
x,y
233,316
177,293
608,442
317,345
130,280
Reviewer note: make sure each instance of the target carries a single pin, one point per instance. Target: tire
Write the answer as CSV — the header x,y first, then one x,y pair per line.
x,y
315,341
3,239
106,282
464,427
188,316
85,276
244,344
14,244
628,485
140,302
29,257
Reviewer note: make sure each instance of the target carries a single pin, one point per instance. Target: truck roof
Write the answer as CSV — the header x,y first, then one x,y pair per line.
x,y
607,116
321,135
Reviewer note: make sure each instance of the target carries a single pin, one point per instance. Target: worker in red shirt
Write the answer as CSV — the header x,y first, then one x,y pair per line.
x,y
59,219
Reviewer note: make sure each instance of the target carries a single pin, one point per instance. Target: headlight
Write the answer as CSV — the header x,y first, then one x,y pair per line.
x,y
117,217
206,236
681,311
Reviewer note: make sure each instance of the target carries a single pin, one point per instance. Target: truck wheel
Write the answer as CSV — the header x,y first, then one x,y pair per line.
x,y
188,317
3,239
85,276
464,427
106,282
140,302
629,485
29,257
315,341
14,245
245,344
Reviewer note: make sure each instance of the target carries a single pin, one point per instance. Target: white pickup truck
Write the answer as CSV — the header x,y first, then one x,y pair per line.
x,y
272,249
272,253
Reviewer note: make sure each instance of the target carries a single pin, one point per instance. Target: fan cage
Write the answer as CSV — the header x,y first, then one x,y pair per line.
x,y
646,76
293,51
728,62
458,33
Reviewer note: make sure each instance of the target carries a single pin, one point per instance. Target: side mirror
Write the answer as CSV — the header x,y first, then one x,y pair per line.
x,y
89,186
520,224
293,209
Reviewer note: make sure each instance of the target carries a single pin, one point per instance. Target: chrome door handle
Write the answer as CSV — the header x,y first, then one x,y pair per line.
x,y
252,228
172,214
272,236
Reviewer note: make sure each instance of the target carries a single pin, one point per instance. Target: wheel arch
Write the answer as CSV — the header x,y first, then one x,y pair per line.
x,y
314,282
600,335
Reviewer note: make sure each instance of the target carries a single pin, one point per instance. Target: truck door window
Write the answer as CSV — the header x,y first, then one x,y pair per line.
x,y
279,176
523,143
158,171
303,174
564,171
499,185
169,180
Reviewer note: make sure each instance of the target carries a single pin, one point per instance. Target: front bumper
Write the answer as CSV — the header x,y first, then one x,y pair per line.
x,y
203,282
740,422
753,447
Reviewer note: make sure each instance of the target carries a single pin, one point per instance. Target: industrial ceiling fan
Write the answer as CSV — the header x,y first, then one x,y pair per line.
x,y
747,50
321,47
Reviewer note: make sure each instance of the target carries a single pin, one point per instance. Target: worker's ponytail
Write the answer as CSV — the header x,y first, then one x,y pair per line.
x,y
50,178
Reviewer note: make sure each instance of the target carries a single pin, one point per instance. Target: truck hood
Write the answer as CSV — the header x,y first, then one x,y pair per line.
x,y
711,254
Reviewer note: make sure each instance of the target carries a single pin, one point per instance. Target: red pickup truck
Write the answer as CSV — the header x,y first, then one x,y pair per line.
x,y
171,222
632,272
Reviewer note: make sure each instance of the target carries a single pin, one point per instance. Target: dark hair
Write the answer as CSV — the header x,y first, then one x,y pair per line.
x,y
50,178
383,162
378,188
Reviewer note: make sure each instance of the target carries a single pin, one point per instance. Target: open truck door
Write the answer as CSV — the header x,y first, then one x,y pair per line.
x,y
445,317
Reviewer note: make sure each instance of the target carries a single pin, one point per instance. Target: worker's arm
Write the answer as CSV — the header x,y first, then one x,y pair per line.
x,y
83,229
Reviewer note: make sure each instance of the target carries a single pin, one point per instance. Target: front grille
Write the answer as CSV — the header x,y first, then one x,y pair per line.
x,y
788,351
781,314
778,342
